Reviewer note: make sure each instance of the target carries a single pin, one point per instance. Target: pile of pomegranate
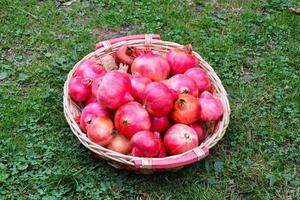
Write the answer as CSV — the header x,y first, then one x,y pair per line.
x,y
145,104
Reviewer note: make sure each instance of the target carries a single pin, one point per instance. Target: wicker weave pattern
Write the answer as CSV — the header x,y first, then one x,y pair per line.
x,y
71,109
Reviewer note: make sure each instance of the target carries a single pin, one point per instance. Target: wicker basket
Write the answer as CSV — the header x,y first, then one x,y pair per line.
x,y
137,164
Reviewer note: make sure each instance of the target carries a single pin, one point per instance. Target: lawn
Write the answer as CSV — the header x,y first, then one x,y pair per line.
x,y
252,45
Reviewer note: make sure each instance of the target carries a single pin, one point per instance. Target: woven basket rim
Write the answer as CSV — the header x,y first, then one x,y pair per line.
x,y
127,159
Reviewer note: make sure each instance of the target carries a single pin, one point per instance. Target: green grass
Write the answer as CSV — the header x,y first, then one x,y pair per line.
x,y
252,45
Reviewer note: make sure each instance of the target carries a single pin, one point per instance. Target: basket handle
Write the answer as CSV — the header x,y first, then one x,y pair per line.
x,y
127,38
171,162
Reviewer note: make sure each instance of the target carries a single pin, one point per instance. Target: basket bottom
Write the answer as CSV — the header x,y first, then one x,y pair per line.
x,y
135,170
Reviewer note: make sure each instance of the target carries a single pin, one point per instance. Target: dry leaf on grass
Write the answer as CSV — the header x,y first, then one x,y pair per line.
x,y
295,10
68,3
